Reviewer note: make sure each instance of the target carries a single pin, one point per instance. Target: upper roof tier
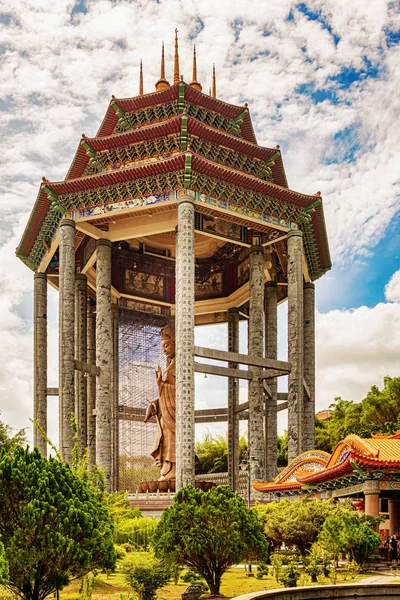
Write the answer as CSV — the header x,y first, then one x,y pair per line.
x,y
177,137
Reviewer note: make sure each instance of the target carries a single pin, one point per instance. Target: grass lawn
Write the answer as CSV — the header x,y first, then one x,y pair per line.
x,y
234,583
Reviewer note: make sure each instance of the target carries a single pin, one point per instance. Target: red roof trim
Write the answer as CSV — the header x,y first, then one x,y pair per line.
x,y
329,473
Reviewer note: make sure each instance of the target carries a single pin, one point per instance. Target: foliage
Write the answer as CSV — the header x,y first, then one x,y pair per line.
x,y
349,532
262,570
10,440
138,532
290,575
145,574
294,523
378,412
87,584
314,563
212,453
3,566
209,532
54,528
276,563
282,456
191,576
288,556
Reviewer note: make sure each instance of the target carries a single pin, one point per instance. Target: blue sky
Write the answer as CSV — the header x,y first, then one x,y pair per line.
x,y
321,79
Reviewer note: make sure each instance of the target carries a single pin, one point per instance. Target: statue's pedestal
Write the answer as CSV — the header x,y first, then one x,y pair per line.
x,y
165,486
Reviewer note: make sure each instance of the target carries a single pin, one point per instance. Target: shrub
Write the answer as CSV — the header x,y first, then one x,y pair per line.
x,y
288,556
145,574
138,532
290,575
262,570
314,564
276,563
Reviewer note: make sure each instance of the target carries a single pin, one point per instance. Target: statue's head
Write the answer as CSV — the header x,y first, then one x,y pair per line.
x,y
168,341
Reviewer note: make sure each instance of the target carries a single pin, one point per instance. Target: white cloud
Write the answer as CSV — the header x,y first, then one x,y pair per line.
x,y
392,289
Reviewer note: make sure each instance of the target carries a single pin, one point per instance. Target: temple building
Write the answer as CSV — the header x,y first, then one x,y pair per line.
x,y
173,215
365,470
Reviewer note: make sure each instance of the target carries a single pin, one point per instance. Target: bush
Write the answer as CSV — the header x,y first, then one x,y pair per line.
x,y
3,566
145,574
290,575
314,564
276,563
288,556
262,570
138,532
191,576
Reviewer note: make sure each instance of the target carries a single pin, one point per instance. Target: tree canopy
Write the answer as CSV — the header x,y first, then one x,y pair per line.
x,y
212,453
53,526
294,523
209,532
10,439
378,412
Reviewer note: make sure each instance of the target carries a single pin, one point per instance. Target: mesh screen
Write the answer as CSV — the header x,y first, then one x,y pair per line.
x,y
140,354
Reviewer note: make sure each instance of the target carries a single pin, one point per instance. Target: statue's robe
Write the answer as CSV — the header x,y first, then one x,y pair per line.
x,y
164,409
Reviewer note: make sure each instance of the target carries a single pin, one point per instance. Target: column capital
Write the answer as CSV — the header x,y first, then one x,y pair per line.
x,y
371,486
256,248
80,277
186,197
103,242
271,284
308,285
40,276
67,223
294,233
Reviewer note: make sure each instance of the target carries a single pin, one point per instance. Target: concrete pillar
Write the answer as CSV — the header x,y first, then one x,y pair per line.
x,y
115,395
295,341
256,348
104,360
66,336
81,355
40,360
309,367
394,517
185,342
371,498
271,351
233,401
91,387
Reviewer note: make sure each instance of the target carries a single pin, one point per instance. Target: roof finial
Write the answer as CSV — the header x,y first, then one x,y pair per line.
x,y
195,84
214,83
162,83
141,79
176,59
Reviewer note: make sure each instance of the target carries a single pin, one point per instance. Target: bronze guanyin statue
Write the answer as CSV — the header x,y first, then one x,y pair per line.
x,y
163,408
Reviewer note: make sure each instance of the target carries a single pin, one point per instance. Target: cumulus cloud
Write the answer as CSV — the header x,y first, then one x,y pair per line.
x,y
321,79
392,289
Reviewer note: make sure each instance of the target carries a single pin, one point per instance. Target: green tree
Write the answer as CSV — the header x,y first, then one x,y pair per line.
x,y
212,453
347,531
9,440
53,526
209,532
3,566
295,523
282,456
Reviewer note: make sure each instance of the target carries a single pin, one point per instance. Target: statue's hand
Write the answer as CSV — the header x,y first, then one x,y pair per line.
x,y
150,412
158,376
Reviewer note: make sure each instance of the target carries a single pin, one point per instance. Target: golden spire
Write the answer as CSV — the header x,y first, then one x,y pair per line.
x,y
141,79
195,84
162,83
176,59
214,83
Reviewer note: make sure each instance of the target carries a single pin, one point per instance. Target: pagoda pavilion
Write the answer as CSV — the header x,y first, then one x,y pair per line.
x,y
366,470
173,211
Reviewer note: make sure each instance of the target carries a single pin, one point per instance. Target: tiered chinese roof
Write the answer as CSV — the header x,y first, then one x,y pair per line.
x,y
353,460
176,138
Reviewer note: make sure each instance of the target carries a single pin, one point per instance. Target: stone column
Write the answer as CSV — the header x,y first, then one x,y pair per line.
x,y
40,360
233,401
91,387
371,497
81,355
66,378
309,367
295,341
394,517
104,360
271,351
256,348
115,395
185,342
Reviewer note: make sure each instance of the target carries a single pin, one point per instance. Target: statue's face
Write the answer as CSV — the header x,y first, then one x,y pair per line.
x,y
168,347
